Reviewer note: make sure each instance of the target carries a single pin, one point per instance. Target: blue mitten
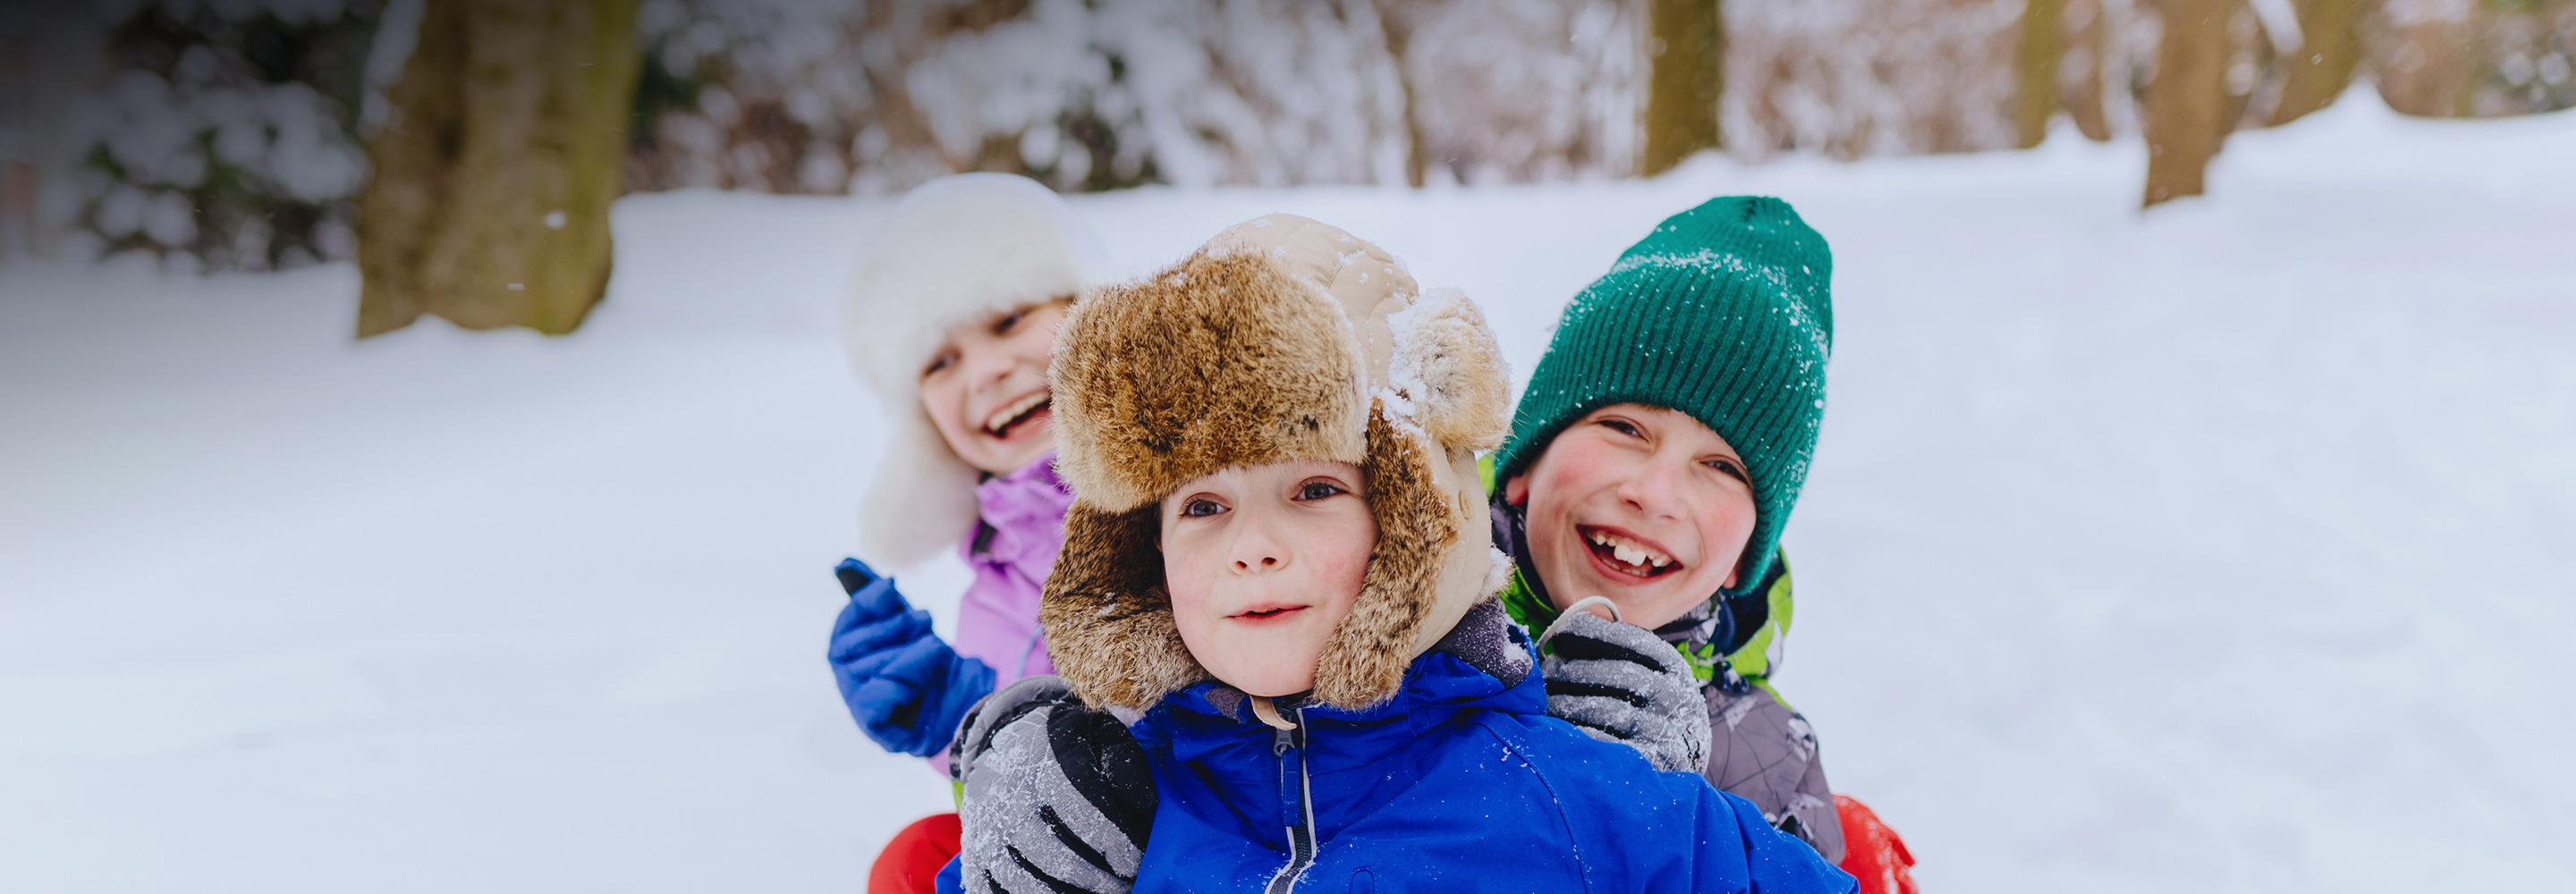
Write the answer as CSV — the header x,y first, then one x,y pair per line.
x,y
907,690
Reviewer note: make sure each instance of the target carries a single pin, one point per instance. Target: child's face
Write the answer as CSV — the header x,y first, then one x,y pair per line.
x,y
1640,504
986,388
1262,562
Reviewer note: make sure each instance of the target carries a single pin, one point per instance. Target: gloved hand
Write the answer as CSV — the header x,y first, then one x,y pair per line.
x,y
1058,797
907,690
1621,683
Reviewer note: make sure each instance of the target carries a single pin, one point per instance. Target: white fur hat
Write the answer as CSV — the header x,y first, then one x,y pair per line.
x,y
952,250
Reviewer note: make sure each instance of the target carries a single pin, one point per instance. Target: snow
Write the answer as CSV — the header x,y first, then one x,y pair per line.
x,y
2221,547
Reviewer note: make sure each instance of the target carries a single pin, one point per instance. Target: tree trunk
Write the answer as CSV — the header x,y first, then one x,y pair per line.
x,y
2186,104
2329,54
489,201
2087,31
1398,32
1687,46
2427,68
2041,47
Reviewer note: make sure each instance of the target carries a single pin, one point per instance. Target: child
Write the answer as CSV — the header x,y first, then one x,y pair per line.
x,y
1661,479
1276,570
951,312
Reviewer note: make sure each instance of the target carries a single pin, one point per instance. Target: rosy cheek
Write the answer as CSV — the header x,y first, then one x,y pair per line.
x,y
1186,581
942,408
1349,575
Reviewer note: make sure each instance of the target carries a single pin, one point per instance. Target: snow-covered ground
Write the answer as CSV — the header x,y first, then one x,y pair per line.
x,y
2231,546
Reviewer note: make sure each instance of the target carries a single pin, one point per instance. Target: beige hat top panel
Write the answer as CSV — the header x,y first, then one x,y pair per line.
x,y
1361,277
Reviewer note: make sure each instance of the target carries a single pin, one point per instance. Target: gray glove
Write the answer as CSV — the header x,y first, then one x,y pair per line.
x,y
1620,683
1058,797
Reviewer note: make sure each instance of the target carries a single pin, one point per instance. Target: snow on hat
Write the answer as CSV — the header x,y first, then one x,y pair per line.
x,y
953,250
1281,339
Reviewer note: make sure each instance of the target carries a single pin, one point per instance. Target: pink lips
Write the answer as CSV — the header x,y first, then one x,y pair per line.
x,y
1263,613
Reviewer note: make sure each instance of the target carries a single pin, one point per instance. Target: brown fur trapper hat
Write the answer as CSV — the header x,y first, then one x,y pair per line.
x,y
1281,339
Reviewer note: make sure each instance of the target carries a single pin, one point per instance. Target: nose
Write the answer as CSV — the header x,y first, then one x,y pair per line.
x,y
986,365
1652,488
1257,548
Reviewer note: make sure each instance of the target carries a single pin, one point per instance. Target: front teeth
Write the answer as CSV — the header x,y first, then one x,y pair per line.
x,y
1004,416
1628,552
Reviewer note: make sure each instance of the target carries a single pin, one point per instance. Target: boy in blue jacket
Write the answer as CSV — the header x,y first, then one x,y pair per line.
x,y
1277,579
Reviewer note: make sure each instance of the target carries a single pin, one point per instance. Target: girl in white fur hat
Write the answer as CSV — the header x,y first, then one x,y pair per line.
x,y
951,313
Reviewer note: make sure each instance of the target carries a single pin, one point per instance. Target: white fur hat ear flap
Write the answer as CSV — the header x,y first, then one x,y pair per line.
x,y
953,250
923,499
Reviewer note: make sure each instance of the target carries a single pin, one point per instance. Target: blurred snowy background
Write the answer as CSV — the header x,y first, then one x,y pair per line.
x,y
2224,546
229,134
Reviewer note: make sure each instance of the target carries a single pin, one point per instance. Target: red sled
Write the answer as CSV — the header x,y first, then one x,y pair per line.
x,y
911,862
1872,852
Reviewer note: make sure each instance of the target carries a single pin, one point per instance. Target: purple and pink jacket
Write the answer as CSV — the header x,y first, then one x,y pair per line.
x,y
1021,528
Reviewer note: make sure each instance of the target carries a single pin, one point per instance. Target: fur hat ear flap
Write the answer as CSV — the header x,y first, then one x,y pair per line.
x,y
923,498
1365,660
1447,363
1107,614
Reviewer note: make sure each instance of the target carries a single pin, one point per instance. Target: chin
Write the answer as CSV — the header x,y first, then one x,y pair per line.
x,y
1267,658
1272,680
1623,590
1635,598
1276,688
1014,457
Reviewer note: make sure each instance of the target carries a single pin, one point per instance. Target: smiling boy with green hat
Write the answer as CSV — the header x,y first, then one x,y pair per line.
x,y
1653,462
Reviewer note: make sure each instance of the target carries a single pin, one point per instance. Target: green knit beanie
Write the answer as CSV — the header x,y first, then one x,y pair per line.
x,y
1724,312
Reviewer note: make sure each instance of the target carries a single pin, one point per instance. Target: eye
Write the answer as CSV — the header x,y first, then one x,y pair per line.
x,y
1621,426
944,360
1007,322
1201,507
1731,468
1317,490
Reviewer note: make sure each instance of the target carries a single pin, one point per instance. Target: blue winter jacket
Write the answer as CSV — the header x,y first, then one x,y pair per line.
x,y
1460,783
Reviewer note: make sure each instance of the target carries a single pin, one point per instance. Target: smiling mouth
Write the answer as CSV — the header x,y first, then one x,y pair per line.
x,y
1626,556
1003,422
1268,613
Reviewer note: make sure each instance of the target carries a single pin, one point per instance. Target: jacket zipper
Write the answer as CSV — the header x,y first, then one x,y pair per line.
x,y
1296,803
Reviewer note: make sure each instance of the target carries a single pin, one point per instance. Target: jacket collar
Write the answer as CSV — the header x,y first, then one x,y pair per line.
x,y
1021,513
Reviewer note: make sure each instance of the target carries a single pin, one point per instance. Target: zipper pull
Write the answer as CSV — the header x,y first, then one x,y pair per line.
x,y
1280,727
